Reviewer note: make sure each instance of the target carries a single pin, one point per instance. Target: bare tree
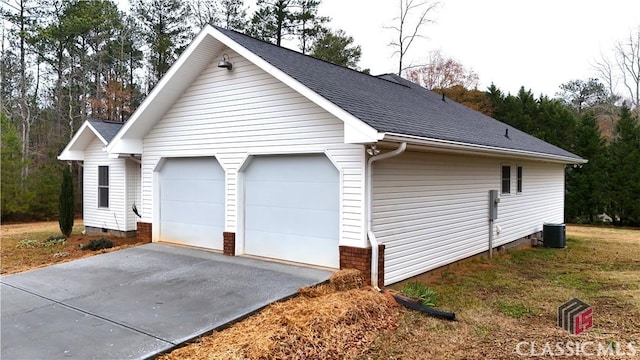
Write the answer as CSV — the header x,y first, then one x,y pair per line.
x,y
407,29
605,71
443,73
627,55
204,12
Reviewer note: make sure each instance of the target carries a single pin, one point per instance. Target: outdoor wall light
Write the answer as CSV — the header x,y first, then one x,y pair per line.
x,y
225,63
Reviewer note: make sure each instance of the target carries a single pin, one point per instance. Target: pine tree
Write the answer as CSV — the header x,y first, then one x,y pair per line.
x,y
624,170
65,213
14,201
337,47
165,31
586,183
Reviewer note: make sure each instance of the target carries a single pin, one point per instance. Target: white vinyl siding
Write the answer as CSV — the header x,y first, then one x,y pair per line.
x,y
115,216
133,193
235,114
432,209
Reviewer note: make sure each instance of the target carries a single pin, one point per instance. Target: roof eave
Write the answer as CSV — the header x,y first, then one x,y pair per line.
x,y
455,146
70,153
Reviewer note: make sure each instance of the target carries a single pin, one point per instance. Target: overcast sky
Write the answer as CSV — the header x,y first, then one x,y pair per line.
x,y
539,44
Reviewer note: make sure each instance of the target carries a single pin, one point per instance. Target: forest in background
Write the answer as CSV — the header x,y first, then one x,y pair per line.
x,y
64,62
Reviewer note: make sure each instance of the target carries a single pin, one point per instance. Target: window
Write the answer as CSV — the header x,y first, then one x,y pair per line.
x,y
506,179
103,186
519,181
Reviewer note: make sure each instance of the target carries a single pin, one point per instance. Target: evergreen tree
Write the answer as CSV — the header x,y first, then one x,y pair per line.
x,y
272,21
233,15
65,212
337,47
624,170
586,183
14,201
165,31
276,20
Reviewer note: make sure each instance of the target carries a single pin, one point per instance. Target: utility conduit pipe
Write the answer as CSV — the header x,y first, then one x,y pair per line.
x,y
369,200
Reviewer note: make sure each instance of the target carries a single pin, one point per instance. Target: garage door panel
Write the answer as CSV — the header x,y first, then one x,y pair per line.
x,y
192,191
297,195
198,235
284,221
199,213
192,204
316,167
292,209
279,246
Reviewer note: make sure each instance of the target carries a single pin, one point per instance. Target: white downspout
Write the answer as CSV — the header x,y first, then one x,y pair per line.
x,y
369,203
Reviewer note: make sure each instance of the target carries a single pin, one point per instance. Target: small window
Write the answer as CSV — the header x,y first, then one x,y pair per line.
x,y
506,179
519,181
103,186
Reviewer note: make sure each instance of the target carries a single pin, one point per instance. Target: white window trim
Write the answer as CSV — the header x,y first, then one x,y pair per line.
x,y
519,179
104,186
510,180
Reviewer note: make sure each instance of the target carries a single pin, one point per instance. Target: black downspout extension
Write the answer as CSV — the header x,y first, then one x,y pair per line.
x,y
426,310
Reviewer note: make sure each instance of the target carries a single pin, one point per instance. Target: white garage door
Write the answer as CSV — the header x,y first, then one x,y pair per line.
x,y
192,202
291,209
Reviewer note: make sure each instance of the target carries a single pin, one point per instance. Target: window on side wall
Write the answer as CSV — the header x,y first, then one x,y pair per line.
x,y
519,179
506,179
103,186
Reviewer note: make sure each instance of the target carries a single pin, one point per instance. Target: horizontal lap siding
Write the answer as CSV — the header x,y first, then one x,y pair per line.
x,y
93,216
541,200
231,114
430,210
133,193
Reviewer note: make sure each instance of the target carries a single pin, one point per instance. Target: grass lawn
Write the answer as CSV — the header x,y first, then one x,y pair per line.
x,y
498,303
24,246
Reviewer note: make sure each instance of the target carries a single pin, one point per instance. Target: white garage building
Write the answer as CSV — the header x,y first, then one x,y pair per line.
x,y
283,156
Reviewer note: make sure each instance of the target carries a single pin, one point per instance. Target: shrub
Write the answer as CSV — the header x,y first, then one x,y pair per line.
x,y
97,244
65,211
54,240
421,292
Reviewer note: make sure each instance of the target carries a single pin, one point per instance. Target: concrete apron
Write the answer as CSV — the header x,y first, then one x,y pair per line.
x,y
136,303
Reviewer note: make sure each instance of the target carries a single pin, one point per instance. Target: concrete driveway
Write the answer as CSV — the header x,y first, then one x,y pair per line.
x,y
137,302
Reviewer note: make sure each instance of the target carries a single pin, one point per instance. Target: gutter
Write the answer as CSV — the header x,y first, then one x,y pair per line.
x,y
474,148
370,234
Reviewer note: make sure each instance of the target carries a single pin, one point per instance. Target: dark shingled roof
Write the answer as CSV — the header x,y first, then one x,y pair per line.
x,y
106,129
392,104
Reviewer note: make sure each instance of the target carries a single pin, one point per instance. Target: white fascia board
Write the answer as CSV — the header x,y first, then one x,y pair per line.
x,y
157,90
356,131
71,155
125,146
69,152
455,146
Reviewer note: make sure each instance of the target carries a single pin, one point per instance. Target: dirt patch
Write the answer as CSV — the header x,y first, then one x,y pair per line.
x,y
25,247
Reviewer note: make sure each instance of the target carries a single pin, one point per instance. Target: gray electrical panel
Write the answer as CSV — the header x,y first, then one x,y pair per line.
x,y
494,199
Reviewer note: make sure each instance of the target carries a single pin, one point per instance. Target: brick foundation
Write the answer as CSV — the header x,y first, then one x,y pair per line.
x,y
144,231
229,243
360,259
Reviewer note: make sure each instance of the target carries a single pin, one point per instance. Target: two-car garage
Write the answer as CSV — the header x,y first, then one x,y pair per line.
x,y
290,206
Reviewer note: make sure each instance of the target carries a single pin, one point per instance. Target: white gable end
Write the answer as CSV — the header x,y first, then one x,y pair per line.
x,y
246,112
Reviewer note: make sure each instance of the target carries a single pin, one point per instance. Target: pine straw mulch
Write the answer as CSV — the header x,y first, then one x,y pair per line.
x,y
335,320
